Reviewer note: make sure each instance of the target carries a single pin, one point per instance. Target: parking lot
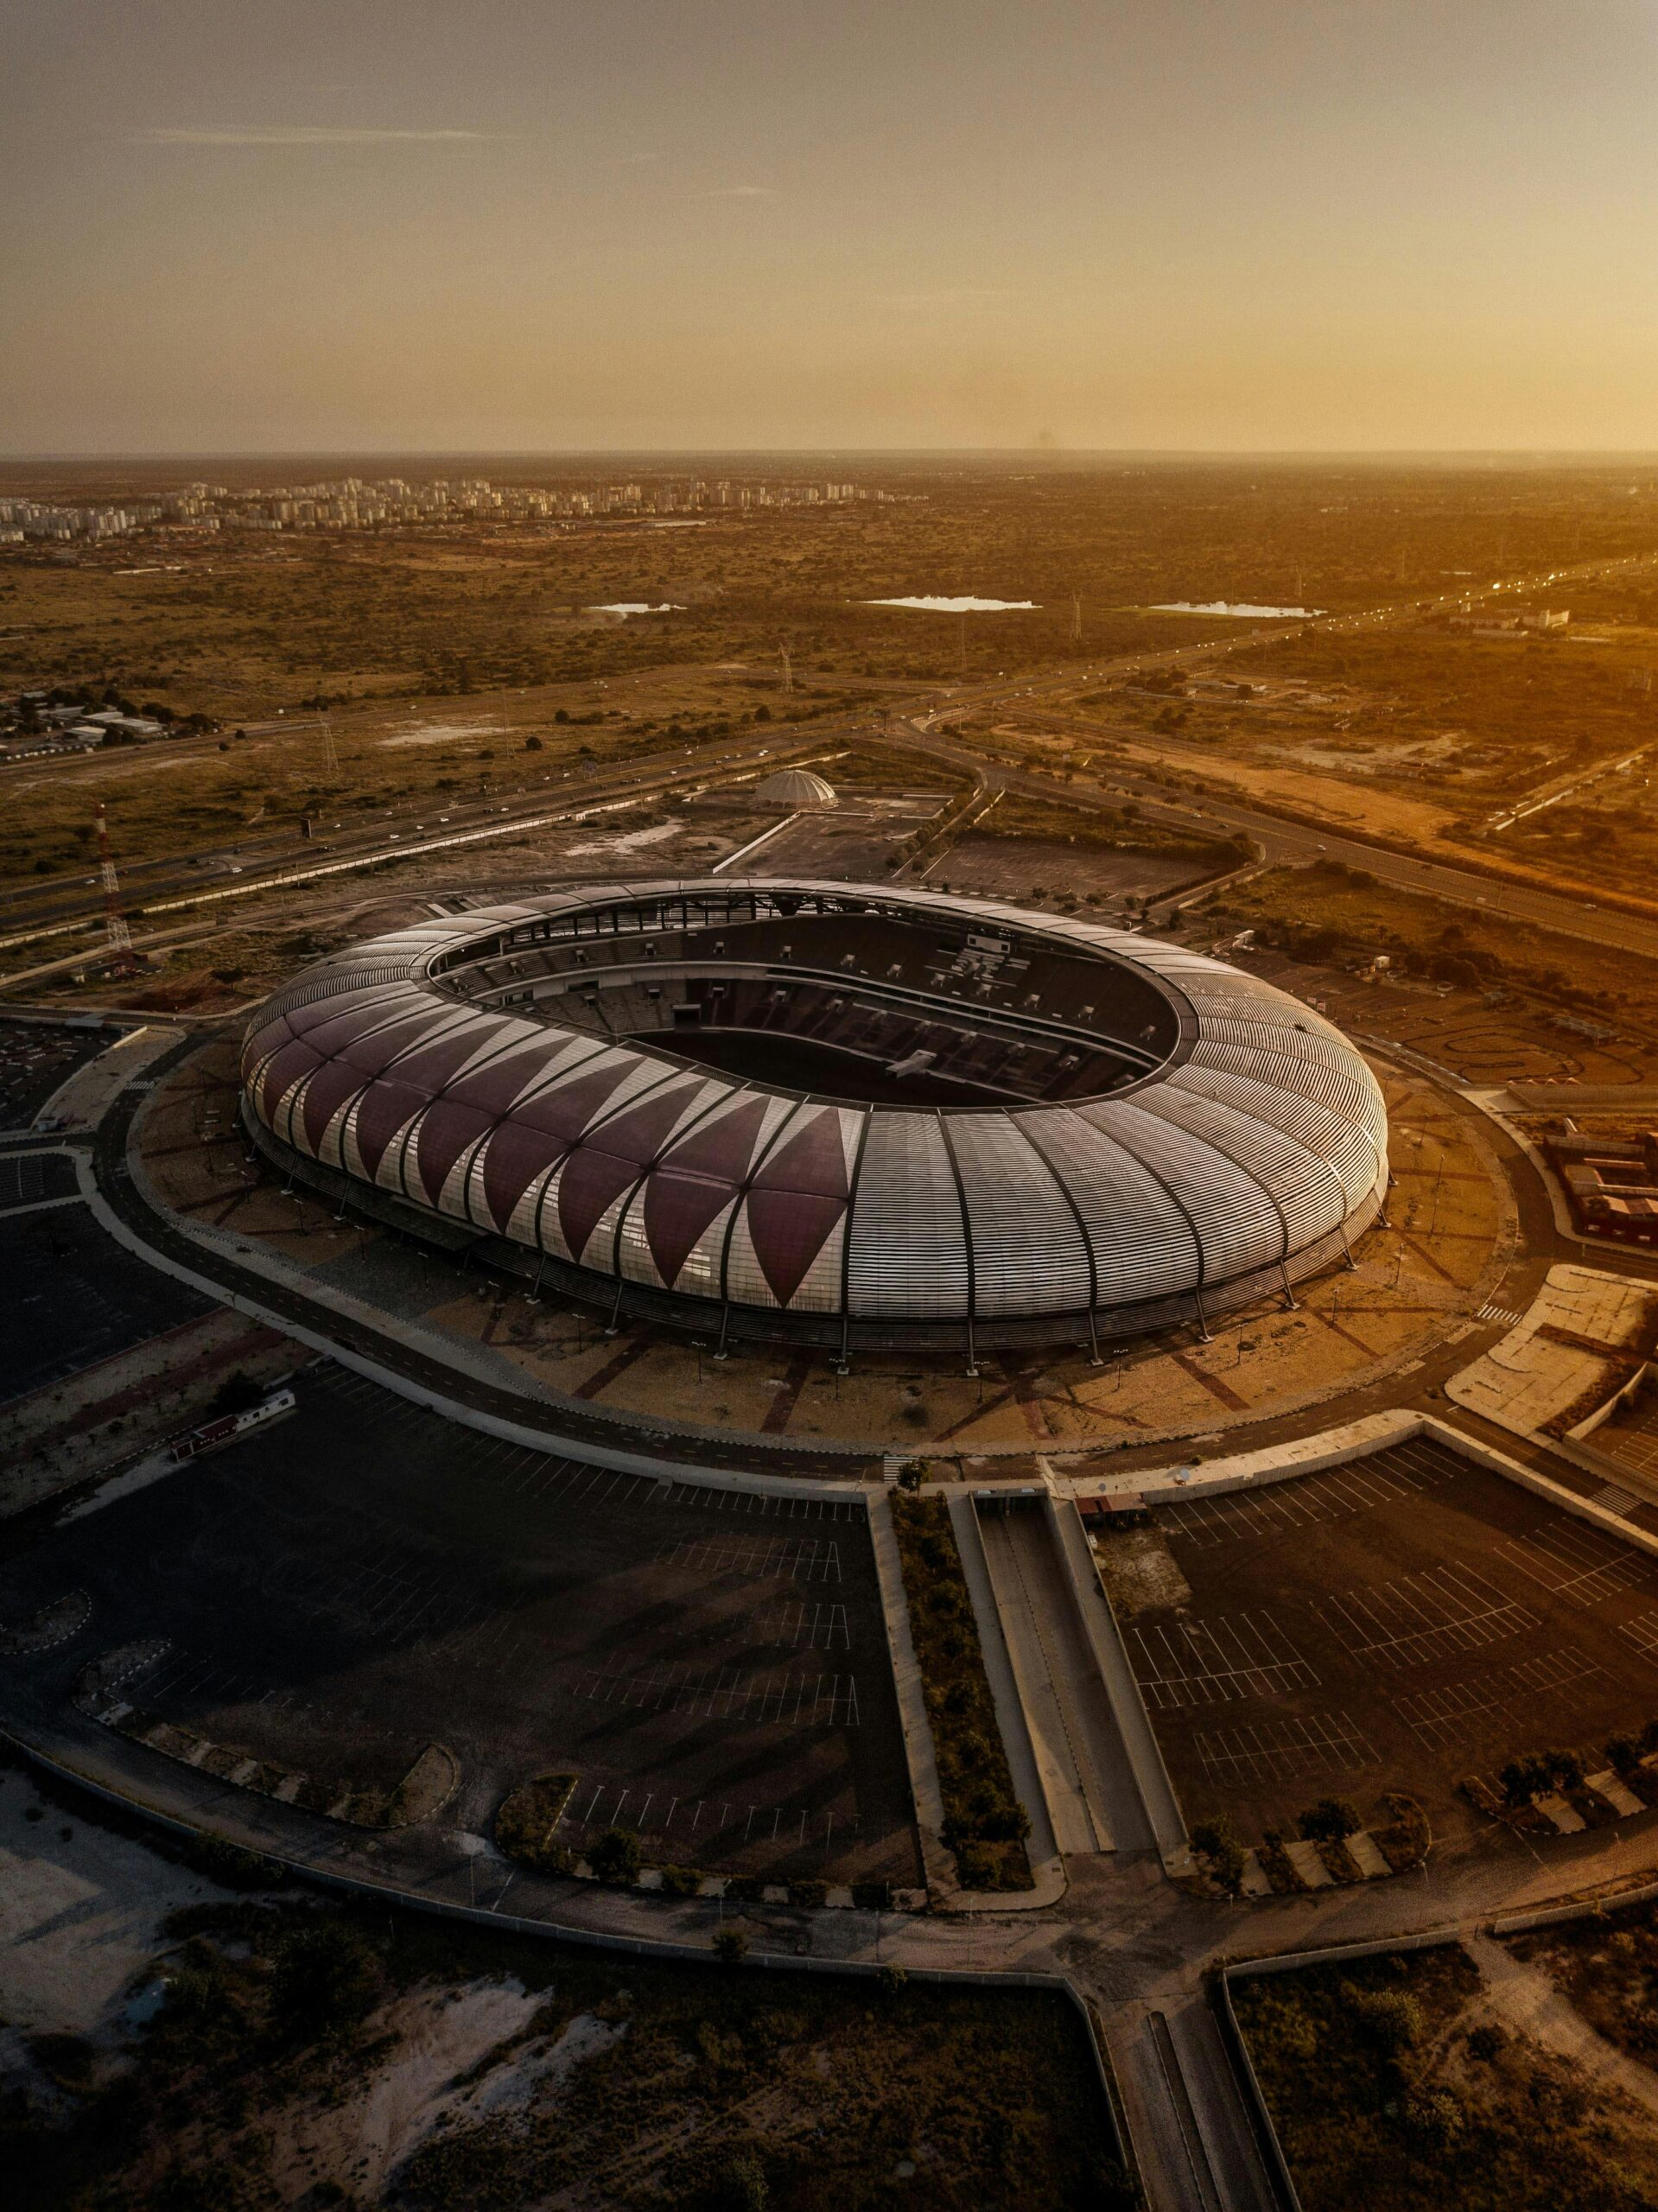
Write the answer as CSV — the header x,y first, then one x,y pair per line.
x,y
69,1294
36,1058
366,1578
1394,1623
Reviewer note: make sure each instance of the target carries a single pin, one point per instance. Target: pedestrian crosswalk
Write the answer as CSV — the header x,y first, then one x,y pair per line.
x,y
1506,1315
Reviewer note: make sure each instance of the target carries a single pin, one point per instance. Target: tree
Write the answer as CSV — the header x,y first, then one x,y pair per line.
x,y
730,1946
533,744
615,1857
1330,1821
1217,1842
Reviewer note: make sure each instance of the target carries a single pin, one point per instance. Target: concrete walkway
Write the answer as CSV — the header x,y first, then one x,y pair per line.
x,y
1063,1699
1530,2003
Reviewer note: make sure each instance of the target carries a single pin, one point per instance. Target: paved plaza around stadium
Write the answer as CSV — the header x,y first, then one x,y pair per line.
x,y
1450,1239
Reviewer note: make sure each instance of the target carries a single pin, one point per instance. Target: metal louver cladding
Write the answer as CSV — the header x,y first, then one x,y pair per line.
x,y
1045,1124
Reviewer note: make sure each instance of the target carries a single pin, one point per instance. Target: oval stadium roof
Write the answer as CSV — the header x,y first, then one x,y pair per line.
x,y
1244,1147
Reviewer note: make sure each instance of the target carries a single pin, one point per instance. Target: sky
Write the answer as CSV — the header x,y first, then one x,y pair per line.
x,y
449,226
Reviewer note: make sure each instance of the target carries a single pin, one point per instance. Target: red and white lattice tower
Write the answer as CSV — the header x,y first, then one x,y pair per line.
x,y
115,922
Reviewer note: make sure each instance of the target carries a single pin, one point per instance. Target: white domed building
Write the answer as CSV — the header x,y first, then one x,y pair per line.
x,y
795,787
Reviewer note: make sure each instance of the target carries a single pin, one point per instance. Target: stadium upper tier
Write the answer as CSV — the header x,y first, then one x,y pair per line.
x,y
836,1112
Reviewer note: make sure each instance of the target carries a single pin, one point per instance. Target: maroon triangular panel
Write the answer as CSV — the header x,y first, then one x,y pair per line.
x,y
677,1209
287,1064
723,1145
512,1160
498,1083
565,1110
381,1112
790,1229
445,1130
602,1169
432,1065
591,1179
813,1159
325,1094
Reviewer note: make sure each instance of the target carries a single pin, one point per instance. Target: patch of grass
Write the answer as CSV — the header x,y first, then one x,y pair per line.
x,y
985,1825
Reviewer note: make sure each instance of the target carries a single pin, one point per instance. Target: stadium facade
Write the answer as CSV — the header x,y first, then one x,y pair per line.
x,y
832,1113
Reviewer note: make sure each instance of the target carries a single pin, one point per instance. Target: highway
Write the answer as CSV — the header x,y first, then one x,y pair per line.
x,y
171,886
1280,840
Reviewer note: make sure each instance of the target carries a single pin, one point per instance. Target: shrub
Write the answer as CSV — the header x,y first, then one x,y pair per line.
x,y
1390,2018
730,1946
876,1897
740,2186
615,1857
1216,1841
1623,1754
808,1892
680,1881
980,1809
524,1824
1332,1820
1524,1778
1565,1770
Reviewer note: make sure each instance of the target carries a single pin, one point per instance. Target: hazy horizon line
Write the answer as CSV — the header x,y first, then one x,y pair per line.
x,y
1040,455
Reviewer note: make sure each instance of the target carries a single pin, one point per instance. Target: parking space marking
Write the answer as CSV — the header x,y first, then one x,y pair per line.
x,y
727,1694
695,1821
1441,1717
772,1558
1422,1617
1578,1564
819,1628
1642,1633
1215,1661
1278,1751
782,1504
1359,1486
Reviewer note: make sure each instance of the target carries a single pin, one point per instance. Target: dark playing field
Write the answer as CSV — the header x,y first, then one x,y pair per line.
x,y
365,1579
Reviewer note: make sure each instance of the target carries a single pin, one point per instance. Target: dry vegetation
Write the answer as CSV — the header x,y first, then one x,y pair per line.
x,y
302,2055
985,1825
1607,1966
1391,2089
1333,914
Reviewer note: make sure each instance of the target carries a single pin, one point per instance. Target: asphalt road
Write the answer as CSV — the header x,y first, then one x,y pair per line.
x,y
60,908
1287,841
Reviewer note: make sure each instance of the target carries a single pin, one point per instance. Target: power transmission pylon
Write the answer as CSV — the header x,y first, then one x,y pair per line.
x,y
788,668
1075,618
330,754
115,922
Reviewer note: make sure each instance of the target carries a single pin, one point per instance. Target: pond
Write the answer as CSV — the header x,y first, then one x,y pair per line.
x,y
1226,606
960,606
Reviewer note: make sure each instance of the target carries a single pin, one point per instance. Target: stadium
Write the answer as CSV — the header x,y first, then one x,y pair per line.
x,y
827,1113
